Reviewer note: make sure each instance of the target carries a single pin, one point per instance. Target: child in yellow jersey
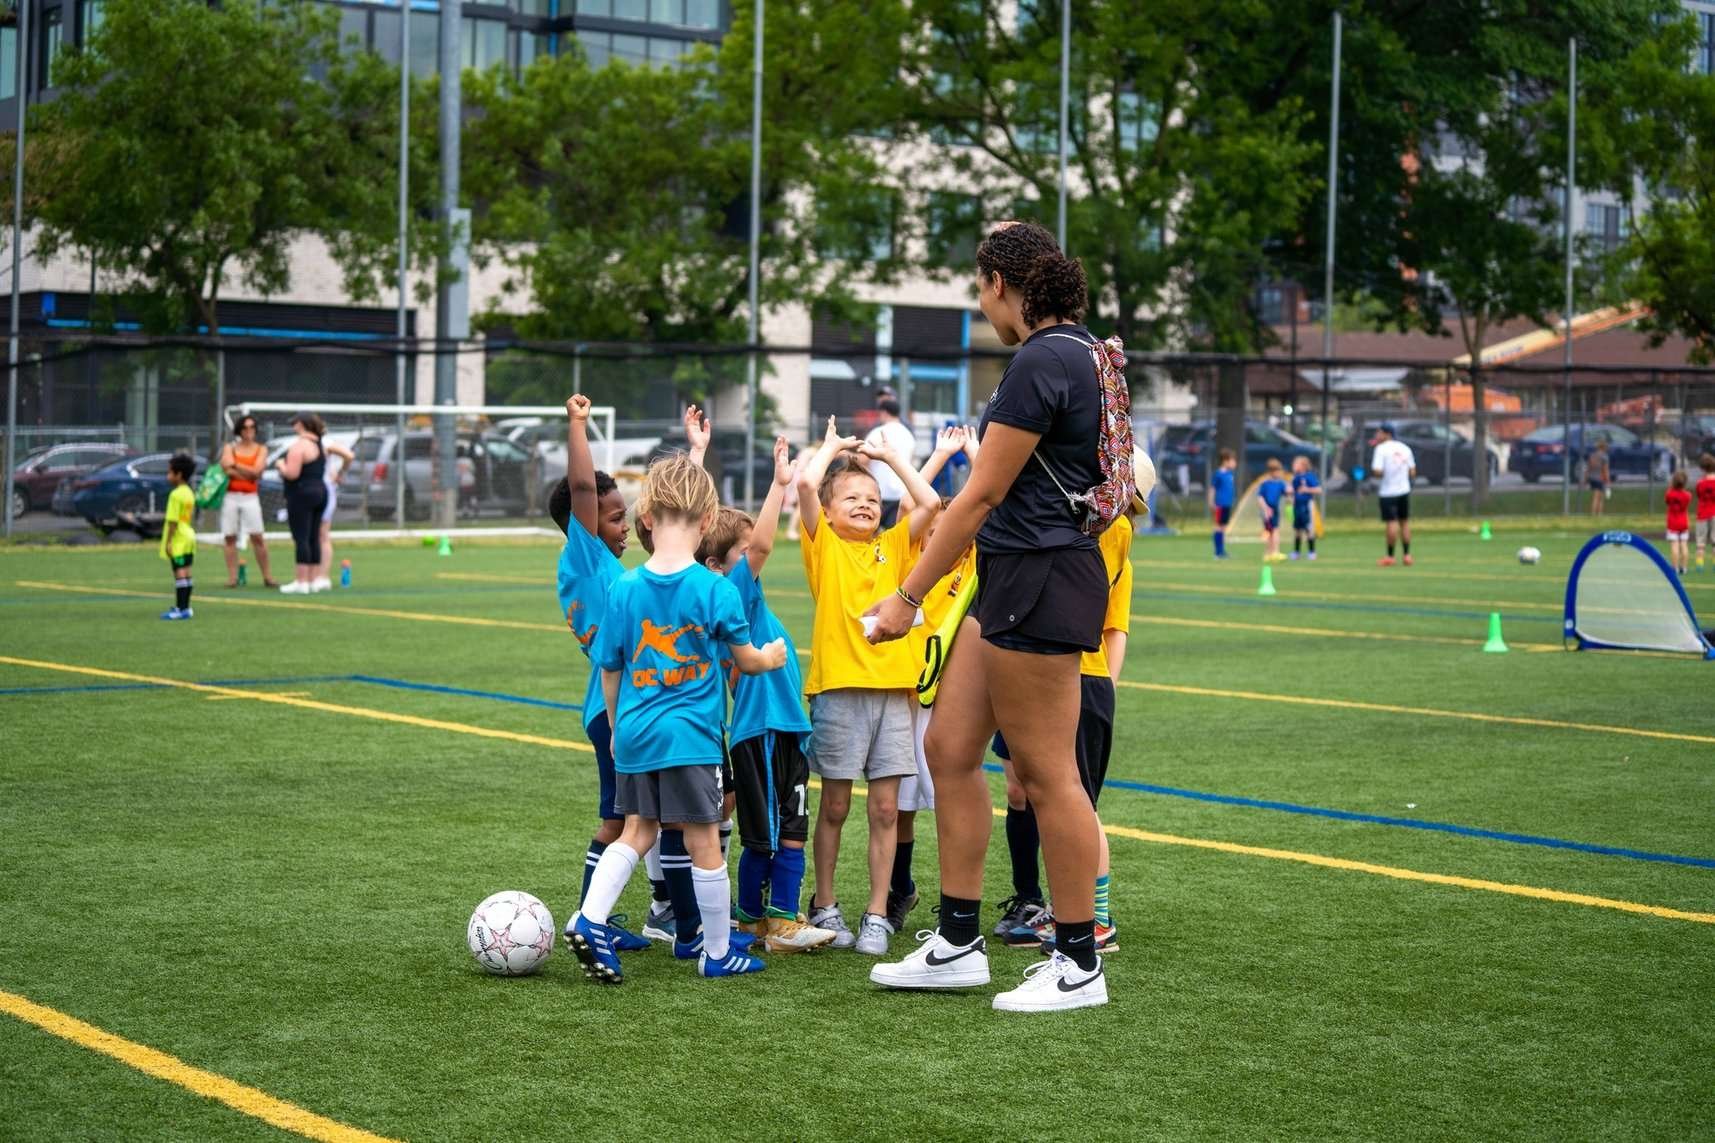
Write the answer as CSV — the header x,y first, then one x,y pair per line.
x,y
179,534
1097,671
917,791
860,694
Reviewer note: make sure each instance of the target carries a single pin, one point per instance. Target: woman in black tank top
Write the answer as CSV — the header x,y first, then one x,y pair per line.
x,y
302,469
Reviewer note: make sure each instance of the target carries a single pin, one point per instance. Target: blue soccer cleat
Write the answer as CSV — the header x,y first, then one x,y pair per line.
x,y
593,947
624,940
735,963
693,948
177,613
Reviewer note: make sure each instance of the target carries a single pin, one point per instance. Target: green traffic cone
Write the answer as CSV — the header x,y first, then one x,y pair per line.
x,y
446,548
1496,645
1483,533
1267,585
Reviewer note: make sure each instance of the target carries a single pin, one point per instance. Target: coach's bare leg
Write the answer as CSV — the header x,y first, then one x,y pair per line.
x,y
1035,700
953,746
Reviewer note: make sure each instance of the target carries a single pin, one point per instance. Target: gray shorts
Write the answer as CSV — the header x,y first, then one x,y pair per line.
x,y
862,734
1705,530
677,795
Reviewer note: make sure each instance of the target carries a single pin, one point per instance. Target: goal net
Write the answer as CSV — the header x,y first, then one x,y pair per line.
x,y
1622,594
506,461
1246,524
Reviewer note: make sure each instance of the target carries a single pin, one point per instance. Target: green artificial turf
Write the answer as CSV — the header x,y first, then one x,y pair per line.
x,y
278,894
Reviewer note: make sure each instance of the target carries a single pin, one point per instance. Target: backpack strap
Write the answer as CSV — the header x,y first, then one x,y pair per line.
x,y
1074,500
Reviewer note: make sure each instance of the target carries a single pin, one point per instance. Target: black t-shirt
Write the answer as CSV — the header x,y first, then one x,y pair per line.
x,y
1049,387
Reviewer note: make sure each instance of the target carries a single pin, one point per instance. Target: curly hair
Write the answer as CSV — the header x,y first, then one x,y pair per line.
x,y
678,488
729,527
1026,257
560,499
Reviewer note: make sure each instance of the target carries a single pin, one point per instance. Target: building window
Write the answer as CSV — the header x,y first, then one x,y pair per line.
x,y
859,229
630,49
8,62
535,8
530,48
1606,224
1137,121
596,46
90,15
1704,59
955,225
703,14
631,10
53,38
483,43
595,7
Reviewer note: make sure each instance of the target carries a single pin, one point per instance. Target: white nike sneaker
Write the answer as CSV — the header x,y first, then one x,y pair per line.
x,y
294,587
321,583
936,963
1054,985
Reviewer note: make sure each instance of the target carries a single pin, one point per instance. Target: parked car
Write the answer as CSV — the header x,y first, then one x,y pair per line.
x,y
135,486
1429,444
1193,446
1542,453
39,475
493,473
725,461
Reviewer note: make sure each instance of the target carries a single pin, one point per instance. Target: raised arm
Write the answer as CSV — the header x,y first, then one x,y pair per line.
x,y
768,516
925,504
810,479
754,660
580,464
947,442
698,430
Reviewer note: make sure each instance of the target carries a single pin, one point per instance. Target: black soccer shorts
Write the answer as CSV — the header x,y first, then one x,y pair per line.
x,y
771,777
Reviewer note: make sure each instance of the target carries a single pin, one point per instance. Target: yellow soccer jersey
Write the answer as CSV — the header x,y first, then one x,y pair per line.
x,y
181,510
848,577
1116,557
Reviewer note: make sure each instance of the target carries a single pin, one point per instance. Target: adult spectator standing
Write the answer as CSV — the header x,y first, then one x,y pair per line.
x,y
1041,599
339,458
241,512
1599,472
1395,467
891,433
304,469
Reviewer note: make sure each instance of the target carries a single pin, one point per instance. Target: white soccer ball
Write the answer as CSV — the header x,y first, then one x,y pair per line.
x,y
1529,555
511,934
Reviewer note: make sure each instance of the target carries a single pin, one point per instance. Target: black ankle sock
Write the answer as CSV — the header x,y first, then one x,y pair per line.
x,y
1312,542
1390,551
1077,939
903,886
1298,543
1022,841
1405,546
960,919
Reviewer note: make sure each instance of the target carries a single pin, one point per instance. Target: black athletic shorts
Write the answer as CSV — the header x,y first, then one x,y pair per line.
x,y
771,776
1095,742
1044,603
1396,507
182,563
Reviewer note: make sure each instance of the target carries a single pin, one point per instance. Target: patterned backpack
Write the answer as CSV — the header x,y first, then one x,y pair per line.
x,y
1101,505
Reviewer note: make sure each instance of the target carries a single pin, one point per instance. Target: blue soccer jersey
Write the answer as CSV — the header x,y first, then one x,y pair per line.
x,y
1271,491
771,701
1302,482
665,635
587,570
1222,483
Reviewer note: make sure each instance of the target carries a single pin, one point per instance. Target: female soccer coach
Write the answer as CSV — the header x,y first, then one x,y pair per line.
x,y
1041,595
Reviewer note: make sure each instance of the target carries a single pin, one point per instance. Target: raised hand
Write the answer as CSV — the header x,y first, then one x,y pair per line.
x,y
578,407
971,444
950,440
834,442
697,428
783,472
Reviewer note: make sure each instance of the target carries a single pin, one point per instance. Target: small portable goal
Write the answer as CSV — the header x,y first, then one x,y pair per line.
x,y
1622,594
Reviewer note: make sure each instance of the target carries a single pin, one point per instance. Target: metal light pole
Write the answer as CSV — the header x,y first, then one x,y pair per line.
x,y
1566,318
1065,108
399,397
452,301
23,71
1328,261
755,260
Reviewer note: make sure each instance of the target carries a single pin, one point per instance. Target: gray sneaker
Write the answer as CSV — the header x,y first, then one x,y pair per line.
x,y
659,924
873,932
1016,912
829,917
898,908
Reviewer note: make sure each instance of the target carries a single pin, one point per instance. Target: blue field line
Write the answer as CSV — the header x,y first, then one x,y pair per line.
x,y
1381,609
434,688
1403,823
94,688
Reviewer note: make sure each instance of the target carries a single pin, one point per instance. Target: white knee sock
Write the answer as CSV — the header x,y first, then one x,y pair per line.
x,y
652,859
726,839
608,882
714,902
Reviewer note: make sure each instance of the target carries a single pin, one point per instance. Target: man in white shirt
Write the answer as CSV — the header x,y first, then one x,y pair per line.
x,y
1394,468
891,433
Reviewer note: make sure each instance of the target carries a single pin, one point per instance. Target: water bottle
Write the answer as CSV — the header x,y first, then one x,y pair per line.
x,y
345,573
242,568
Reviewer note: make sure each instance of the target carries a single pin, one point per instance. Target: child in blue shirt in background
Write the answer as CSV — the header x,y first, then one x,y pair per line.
x,y
1269,494
770,733
1221,498
658,649
1305,488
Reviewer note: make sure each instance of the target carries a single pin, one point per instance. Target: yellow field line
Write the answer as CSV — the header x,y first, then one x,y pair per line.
x,y
240,1097
1348,597
1325,632
307,704
1347,865
1421,711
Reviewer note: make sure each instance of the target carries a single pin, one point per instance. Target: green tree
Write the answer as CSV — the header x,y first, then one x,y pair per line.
x,y
617,197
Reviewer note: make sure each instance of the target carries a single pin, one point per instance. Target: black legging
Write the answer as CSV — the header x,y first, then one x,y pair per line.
x,y
304,507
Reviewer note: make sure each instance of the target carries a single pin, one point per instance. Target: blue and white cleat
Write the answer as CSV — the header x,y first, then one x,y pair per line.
x,y
735,963
593,947
177,613
624,940
693,948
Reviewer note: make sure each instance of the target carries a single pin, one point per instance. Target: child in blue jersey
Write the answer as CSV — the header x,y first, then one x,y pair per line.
x,y
1305,488
1269,495
658,649
1221,498
770,734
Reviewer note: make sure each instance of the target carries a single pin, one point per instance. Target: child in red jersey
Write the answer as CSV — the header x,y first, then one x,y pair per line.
x,y
1678,519
1705,505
